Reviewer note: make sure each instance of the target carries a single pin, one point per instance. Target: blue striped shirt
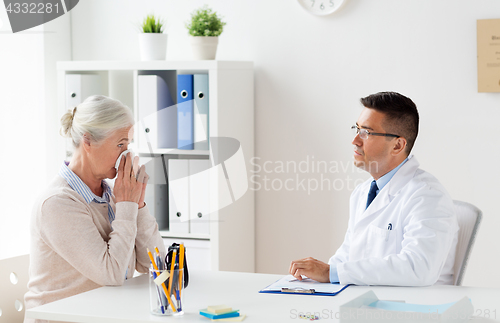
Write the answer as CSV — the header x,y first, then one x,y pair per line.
x,y
81,188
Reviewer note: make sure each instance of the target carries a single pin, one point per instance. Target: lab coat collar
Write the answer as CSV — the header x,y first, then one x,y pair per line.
x,y
403,176
398,181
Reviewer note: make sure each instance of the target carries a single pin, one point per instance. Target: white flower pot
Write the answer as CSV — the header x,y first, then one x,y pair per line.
x,y
153,46
204,47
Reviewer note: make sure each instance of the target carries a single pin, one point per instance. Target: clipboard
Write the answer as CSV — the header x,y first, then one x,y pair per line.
x,y
289,285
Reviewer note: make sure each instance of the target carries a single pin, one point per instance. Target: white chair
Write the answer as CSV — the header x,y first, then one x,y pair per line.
x,y
468,217
14,284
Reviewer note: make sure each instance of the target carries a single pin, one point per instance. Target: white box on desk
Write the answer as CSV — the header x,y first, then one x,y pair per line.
x,y
358,311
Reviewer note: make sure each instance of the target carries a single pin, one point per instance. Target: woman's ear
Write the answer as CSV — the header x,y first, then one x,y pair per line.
x,y
86,142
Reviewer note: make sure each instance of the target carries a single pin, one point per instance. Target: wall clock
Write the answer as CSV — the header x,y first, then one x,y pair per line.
x,y
322,7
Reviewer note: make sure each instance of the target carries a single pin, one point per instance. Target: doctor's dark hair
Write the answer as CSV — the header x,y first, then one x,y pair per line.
x,y
96,117
401,115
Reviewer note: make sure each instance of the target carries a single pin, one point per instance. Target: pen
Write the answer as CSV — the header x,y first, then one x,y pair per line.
x,y
175,278
389,227
162,284
303,279
160,265
160,298
158,259
172,267
181,266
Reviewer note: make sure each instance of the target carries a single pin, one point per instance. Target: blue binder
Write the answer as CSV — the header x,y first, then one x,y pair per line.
x,y
201,133
185,132
166,116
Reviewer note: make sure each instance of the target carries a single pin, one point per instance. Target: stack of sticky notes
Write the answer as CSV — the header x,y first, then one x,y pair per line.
x,y
220,312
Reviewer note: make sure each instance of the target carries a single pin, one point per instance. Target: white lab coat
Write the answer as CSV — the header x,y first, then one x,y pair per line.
x,y
420,248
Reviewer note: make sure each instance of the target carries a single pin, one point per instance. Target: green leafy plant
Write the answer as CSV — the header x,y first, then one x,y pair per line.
x,y
204,22
151,24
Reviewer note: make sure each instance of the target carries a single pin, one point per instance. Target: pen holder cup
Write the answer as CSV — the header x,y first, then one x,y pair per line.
x,y
162,283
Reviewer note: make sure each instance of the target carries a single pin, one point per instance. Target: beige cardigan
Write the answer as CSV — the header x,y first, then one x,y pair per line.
x,y
74,249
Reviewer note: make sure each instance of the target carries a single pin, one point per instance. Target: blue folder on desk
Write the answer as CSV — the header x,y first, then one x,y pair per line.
x,y
289,285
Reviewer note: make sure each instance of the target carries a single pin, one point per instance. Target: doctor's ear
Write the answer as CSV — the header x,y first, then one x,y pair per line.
x,y
399,146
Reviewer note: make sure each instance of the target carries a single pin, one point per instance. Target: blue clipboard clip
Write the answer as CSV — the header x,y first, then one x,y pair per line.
x,y
297,290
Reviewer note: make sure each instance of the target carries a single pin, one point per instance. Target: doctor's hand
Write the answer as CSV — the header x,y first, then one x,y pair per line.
x,y
311,268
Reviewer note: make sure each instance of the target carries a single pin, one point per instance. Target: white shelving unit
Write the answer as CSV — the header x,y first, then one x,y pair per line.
x,y
164,151
231,240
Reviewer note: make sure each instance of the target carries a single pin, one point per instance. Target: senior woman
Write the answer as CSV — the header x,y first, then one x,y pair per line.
x,y
83,233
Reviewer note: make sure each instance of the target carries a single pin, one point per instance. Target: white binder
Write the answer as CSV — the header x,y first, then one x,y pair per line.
x,y
197,252
156,191
78,87
199,198
178,194
81,86
157,114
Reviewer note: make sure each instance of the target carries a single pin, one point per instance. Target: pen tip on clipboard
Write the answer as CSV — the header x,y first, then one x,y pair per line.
x,y
304,279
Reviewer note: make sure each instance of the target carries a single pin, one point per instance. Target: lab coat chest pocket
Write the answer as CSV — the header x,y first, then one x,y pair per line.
x,y
380,242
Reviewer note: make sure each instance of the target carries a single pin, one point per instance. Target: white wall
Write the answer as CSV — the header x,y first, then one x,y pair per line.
x,y
21,108
27,122
309,75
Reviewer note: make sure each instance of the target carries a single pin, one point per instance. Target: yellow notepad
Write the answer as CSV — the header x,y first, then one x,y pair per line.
x,y
231,319
219,309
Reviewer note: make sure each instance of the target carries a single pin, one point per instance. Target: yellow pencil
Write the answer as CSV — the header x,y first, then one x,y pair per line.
x,y
172,266
181,266
163,284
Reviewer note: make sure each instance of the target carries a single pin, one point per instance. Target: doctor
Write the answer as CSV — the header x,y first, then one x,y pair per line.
x,y
402,228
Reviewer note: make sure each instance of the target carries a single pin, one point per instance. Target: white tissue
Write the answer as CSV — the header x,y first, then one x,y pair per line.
x,y
121,155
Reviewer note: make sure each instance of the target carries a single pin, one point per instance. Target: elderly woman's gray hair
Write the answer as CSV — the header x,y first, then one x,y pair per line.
x,y
98,116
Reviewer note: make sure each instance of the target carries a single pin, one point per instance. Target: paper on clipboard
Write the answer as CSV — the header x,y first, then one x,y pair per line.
x,y
290,283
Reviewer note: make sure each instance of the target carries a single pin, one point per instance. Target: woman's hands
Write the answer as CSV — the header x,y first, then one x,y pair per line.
x,y
143,178
130,184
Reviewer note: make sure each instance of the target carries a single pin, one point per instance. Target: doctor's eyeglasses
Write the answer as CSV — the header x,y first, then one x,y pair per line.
x,y
364,134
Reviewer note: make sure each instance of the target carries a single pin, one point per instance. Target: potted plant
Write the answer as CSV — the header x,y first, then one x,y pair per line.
x,y
205,27
152,40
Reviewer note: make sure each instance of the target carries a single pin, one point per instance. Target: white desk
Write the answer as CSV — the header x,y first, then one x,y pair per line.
x,y
130,303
